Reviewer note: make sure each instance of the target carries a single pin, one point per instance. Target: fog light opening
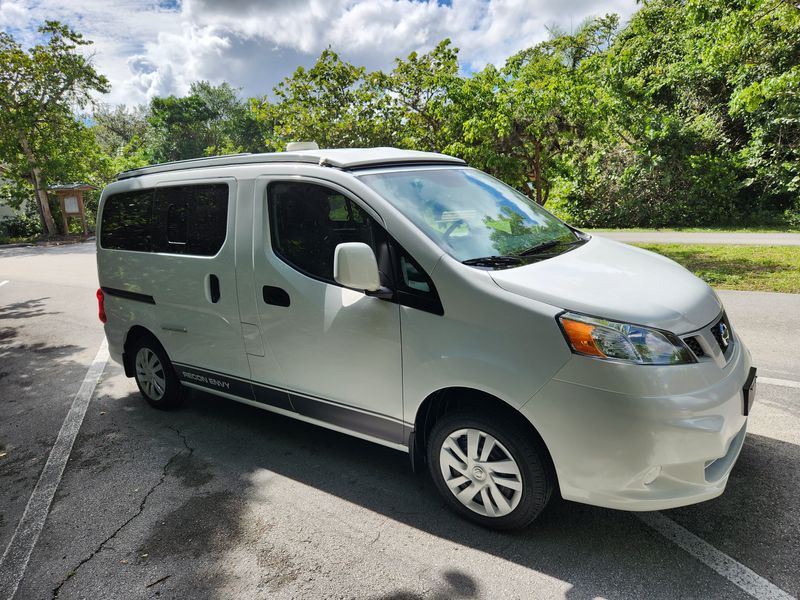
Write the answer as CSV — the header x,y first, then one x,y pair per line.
x,y
652,474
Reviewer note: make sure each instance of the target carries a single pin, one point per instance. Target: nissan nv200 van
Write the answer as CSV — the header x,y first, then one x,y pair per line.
x,y
410,300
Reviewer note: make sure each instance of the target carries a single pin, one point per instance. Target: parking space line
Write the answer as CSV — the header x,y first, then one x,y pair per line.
x,y
735,572
2,283
780,382
15,558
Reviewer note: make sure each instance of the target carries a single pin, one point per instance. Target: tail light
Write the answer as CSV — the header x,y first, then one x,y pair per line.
x,y
101,306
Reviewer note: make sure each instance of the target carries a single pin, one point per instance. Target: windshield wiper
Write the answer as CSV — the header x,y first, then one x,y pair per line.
x,y
492,261
539,248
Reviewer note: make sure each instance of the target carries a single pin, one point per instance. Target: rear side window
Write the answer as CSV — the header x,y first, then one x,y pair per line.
x,y
190,219
125,223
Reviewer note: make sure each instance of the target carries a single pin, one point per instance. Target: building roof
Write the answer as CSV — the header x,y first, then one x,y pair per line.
x,y
339,158
71,187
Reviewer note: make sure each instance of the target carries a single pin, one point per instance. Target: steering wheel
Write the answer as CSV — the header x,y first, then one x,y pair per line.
x,y
453,226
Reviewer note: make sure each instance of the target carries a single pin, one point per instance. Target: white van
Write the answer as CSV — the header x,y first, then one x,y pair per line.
x,y
407,299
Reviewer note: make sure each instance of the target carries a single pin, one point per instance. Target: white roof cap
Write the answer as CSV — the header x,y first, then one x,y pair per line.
x,y
293,146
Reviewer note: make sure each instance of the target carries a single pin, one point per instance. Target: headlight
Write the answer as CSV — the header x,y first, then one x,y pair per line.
x,y
622,341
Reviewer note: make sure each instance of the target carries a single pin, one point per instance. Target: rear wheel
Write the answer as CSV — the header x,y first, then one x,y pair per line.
x,y
154,374
490,470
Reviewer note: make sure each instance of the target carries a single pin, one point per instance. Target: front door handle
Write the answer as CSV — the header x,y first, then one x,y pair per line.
x,y
275,296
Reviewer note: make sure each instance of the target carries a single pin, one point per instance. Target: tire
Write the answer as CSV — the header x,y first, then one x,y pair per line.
x,y
508,495
154,374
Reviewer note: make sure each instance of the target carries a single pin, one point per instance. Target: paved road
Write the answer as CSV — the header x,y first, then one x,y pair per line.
x,y
691,237
221,500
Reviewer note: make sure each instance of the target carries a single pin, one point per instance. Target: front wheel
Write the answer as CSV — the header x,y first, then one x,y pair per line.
x,y
155,376
489,470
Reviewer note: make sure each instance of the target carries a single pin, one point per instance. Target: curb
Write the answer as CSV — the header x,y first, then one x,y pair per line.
x,y
48,243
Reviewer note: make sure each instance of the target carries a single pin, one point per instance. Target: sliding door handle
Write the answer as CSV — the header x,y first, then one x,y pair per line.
x,y
213,288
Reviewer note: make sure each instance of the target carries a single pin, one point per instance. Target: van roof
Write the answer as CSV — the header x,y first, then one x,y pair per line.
x,y
340,158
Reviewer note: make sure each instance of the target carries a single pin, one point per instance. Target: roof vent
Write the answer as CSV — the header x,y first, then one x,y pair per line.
x,y
295,146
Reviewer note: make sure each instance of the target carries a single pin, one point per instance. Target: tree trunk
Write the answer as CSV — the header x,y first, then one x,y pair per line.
x,y
537,171
38,187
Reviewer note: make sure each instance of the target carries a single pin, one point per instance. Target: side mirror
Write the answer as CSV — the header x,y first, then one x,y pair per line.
x,y
354,266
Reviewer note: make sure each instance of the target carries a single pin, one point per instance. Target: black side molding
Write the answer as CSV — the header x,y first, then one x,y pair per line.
x,y
367,423
128,295
370,424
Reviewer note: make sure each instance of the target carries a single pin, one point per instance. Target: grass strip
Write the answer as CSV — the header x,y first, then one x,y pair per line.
x,y
732,229
759,268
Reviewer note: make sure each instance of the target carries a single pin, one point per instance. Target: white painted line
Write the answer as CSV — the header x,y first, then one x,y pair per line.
x,y
781,382
15,558
2,283
735,572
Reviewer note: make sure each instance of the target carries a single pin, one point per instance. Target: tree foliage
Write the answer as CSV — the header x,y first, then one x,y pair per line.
x,y
686,116
40,88
689,114
690,140
209,120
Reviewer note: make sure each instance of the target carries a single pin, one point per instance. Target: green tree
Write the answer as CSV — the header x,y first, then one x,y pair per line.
x,y
210,120
331,103
39,88
115,126
692,138
418,96
124,135
760,46
525,123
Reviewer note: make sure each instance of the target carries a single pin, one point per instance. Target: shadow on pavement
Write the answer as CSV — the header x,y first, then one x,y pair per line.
x,y
24,310
34,381
455,584
598,552
214,450
755,520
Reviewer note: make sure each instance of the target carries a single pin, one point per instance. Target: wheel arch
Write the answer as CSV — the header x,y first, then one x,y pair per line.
x,y
450,399
135,333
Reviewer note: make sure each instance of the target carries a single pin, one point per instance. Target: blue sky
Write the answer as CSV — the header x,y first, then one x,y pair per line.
x,y
158,47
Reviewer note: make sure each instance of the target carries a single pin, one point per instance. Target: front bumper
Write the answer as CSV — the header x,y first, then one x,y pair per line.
x,y
636,437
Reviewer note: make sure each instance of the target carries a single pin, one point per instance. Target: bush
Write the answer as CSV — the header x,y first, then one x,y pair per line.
x,y
792,215
21,226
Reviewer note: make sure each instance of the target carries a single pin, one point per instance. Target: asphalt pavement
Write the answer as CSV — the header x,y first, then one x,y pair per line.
x,y
221,500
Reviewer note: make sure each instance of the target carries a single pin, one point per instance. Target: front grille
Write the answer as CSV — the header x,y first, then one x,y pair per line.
x,y
694,346
722,332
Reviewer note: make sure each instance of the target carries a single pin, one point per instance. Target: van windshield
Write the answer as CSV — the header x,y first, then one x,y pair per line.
x,y
474,217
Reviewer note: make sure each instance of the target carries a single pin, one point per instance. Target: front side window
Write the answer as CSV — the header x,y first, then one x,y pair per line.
x,y
414,286
125,223
308,221
473,216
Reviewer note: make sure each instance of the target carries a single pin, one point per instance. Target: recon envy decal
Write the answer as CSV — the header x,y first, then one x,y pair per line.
x,y
214,381
186,375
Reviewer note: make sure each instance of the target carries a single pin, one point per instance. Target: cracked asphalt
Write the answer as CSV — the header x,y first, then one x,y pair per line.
x,y
220,500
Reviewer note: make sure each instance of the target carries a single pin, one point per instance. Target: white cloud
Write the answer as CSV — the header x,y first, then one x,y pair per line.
x,y
12,14
155,48
169,64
